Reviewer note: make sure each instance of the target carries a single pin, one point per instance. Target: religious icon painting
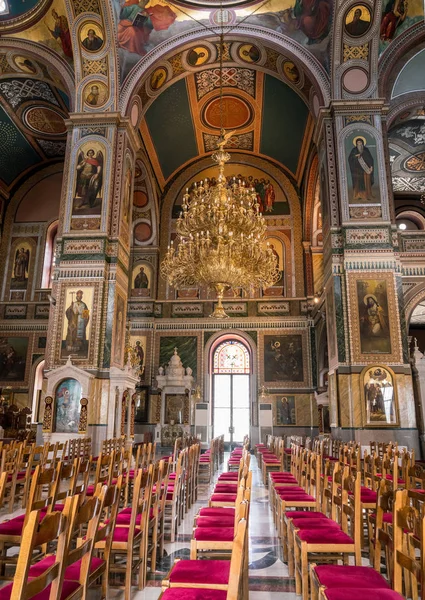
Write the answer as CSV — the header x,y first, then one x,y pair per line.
x,y
158,78
249,53
95,93
362,168
13,358
291,72
373,304
67,406
285,413
283,358
77,320
119,330
141,279
358,20
91,37
198,56
139,345
277,248
21,265
88,191
379,397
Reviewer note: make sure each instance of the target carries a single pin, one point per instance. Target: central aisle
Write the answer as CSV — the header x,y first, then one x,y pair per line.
x,y
268,575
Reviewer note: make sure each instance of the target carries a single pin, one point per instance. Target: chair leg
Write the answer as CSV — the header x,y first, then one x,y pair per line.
x,y
297,561
128,574
304,572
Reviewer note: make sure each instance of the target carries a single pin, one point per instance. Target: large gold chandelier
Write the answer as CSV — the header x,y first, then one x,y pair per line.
x,y
221,241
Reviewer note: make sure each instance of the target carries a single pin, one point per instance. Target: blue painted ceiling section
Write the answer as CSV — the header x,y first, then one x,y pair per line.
x,y
283,124
18,8
170,124
16,153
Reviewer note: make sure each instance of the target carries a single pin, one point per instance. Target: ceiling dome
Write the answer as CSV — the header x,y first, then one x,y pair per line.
x,y
17,13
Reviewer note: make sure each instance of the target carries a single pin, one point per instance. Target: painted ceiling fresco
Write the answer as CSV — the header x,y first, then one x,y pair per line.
x,y
11,9
407,152
411,77
186,116
33,106
52,30
397,17
140,30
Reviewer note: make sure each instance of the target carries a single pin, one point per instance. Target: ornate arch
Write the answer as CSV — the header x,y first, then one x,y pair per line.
x,y
295,218
412,299
400,50
315,71
44,53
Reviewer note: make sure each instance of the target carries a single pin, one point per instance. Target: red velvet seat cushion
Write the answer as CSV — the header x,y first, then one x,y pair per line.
x,y
72,572
362,594
223,498
314,522
12,527
68,588
214,534
121,533
304,514
193,594
299,498
288,451
201,571
325,536
219,521
215,511
290,489
340,576
90,490
226,488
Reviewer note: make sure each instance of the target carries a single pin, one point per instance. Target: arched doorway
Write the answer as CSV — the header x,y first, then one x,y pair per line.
x,y
231,370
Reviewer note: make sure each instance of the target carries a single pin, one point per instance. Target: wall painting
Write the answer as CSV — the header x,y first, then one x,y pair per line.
x,y
142,280
283,358
397,17
13,358
88,190
284,413
20,271
362,168
77,322
357,20
67,406
119,330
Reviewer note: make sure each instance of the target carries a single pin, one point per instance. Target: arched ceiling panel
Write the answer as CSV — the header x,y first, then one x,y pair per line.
x,y
407,151
411,77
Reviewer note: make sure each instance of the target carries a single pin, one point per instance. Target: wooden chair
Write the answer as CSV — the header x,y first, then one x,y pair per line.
x,y
210,574
331,541
130,540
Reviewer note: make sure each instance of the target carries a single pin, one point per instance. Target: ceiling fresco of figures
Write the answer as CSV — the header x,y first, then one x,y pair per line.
x,y
407,151
397,17
33,107
140,29
52,30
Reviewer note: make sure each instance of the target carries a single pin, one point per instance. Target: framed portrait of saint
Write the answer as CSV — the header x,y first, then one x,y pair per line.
x,y
379,397
142,405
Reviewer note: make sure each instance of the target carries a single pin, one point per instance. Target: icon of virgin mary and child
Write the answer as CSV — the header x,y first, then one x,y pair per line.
x,y
136,22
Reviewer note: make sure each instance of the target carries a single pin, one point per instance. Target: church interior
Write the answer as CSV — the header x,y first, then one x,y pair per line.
x,y
212,322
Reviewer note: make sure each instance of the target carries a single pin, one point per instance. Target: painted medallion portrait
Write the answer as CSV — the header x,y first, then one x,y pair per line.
x,y
77,322
88,193
67,404
25,64
358,20
372,302
362,168
95,93
379,397
198,56
158,78
91,37
249,53
291,72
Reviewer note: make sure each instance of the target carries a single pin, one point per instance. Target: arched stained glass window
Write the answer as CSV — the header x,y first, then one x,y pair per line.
x,y
231,357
